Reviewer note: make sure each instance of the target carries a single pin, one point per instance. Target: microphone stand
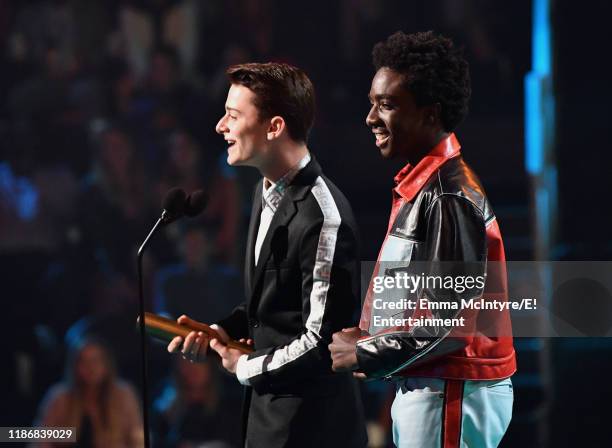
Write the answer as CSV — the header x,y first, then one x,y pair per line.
x,y
143,338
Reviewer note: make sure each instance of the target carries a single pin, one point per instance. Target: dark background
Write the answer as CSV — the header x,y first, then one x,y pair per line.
x,y
101,102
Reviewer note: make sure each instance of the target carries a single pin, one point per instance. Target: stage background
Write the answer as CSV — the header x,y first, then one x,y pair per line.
x,y
104,105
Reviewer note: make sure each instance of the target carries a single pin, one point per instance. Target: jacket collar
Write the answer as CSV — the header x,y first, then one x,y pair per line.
x,y
410,180
295,192
273,195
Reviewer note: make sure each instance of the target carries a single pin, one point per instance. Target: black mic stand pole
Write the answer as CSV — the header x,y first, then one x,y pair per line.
x,y
143,335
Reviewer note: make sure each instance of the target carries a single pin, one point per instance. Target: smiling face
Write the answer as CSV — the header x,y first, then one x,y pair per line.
x,y
243,128
398,124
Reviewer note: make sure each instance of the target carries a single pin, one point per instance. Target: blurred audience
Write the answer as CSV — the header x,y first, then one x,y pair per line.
x,y
199,286
145,25
104,106
113,209
189,167
103,409
193,410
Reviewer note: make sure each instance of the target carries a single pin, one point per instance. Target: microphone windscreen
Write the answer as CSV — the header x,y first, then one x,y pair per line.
x,y
196,202
175,201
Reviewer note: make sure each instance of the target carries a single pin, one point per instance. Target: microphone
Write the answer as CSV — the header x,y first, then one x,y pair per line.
x,y
175,205
196,202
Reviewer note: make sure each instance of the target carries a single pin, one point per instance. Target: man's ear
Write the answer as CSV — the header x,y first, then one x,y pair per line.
x,y
432,114
276,128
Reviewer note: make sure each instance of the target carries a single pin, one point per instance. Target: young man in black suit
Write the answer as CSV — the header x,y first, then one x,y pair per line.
x,y
301,271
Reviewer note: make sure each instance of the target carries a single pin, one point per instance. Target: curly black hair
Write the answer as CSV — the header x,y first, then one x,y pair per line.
x,y
435,71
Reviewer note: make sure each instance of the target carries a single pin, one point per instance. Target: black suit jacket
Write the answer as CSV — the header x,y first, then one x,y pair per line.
x,y
304,288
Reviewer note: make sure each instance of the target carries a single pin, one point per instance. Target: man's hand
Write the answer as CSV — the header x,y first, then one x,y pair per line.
x,y
195,346
343,349
229,356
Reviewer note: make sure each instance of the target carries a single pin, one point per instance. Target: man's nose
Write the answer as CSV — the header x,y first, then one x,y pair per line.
x,y
372,117
221,127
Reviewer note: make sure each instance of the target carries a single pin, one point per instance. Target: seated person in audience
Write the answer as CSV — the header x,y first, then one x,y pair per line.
x,y
103,409
194,409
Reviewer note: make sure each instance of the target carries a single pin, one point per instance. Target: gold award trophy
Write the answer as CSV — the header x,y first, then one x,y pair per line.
x,y
167,329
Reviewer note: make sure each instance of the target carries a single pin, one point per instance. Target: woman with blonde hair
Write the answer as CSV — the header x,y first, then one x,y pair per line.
x,y
102,408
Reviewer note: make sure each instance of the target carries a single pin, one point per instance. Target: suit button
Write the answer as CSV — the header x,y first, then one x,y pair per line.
x,y
254,323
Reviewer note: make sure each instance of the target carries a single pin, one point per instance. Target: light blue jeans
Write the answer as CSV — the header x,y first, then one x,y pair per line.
x,y
478,412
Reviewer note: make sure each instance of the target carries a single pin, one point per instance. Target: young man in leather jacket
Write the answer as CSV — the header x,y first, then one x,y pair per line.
x,y
452,380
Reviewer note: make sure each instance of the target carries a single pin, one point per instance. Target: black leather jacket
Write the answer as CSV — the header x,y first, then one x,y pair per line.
x,y
445,229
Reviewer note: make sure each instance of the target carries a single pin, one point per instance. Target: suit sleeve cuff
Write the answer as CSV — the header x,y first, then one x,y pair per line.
x,y
242,370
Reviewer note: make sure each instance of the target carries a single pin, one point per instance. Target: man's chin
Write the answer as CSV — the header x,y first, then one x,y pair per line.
x,y
386,152
234,160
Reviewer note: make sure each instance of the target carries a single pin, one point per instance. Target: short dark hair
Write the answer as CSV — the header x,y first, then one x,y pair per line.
x,y
435,71
280,89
